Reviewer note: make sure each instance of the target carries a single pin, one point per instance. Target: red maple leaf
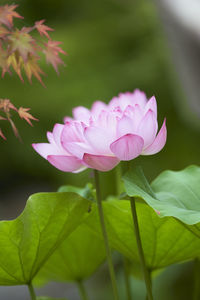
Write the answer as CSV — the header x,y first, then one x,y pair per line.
x,y
3,61
52,51
2,118
7,13
42,29
20,51
53,46
31,67
2,135
16,62
6,105
3,32
22,42
24,114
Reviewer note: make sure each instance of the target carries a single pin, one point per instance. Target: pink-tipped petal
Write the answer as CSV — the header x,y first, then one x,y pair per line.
x,y
139,97
99,139
101,120
77,149
151,104
67,119
158,143
100,162
81,113
135,113
107,120
45,149
124,100
124,126
50,137
113,103
127,147
65,163
72,132
148,128
97,107
57,130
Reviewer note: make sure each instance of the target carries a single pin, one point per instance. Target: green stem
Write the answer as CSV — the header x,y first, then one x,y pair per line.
x,y
82,290
149,272
196,293
105,236
127,278
146,273
118,180
31,291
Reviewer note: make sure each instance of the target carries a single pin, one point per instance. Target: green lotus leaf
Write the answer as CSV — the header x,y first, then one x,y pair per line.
x,y
165,240
75,259
27,242
175,194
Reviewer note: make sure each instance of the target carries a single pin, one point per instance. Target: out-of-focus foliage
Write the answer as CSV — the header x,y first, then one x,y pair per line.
x,y
20,50
5,108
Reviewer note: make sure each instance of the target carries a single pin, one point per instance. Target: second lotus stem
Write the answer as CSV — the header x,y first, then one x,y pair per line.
x,y
82,291
146,273
31,291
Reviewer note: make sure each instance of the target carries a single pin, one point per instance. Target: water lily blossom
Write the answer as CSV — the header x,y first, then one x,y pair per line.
x,y
56,154
100,138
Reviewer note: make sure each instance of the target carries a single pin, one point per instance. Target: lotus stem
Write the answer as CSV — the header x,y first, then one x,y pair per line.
x,y
196,293
118,180
127,278
146,273
31,291
82,290
105,236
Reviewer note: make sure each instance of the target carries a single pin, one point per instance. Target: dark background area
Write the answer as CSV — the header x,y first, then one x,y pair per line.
x,y
113,46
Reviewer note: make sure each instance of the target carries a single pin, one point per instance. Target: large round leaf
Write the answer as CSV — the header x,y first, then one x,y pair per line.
x,y
28,241
165,240
175,194
76,259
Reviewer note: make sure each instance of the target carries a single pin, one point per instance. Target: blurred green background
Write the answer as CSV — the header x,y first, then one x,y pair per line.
x,y
113,46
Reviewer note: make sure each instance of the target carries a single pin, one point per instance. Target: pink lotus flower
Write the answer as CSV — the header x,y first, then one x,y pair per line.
x,y
56,154
103,136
